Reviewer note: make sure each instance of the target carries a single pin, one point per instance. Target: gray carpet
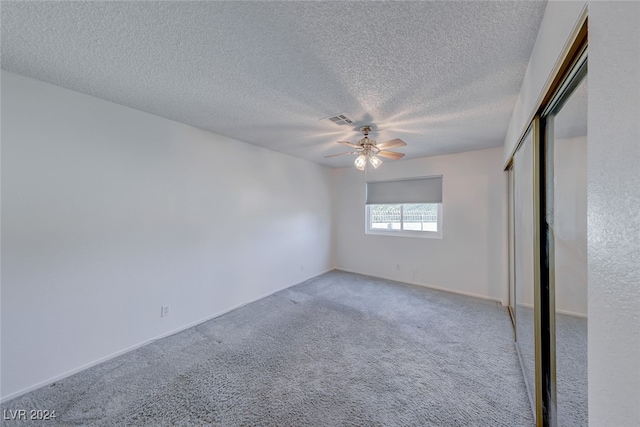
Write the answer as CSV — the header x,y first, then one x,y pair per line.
x,y
340,349
571,364
571,371
526,345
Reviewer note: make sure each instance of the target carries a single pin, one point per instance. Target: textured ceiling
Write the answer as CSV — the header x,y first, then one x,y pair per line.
x,y
443,76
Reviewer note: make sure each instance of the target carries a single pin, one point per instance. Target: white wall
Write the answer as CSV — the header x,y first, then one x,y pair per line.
x,y
471,256
108,213
613,165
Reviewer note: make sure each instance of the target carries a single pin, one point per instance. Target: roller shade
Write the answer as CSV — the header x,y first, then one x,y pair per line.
x,y
414,190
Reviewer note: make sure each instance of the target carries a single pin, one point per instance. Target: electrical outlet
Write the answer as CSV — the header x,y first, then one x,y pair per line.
x,y
164,311
301,267
415,269
398,267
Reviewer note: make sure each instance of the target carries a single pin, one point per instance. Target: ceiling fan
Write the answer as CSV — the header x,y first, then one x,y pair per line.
x,y
369,150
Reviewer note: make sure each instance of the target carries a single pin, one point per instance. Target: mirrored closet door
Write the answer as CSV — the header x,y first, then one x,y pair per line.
x,y
547,183
523,255
566,222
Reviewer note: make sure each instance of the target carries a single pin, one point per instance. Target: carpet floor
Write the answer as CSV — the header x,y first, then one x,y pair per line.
x,y
341,349
572,406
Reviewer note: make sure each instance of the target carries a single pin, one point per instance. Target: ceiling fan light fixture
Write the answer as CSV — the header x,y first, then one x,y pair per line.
x,y
368,150
375,161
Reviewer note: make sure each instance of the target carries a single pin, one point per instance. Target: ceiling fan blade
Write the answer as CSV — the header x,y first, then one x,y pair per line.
x,y
341,154
391,155
390,144
348,143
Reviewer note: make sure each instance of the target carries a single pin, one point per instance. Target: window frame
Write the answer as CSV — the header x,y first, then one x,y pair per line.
x,y
403,233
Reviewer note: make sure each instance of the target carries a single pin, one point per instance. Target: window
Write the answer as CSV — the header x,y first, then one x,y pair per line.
x,y
410,207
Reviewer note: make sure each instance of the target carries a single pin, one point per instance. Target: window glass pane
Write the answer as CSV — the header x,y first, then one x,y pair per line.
x,y
385,217
421,217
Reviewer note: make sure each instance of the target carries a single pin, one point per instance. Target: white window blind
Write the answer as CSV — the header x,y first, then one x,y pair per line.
x,y
414,190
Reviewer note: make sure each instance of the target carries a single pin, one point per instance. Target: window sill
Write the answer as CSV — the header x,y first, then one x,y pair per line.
x,y
407,233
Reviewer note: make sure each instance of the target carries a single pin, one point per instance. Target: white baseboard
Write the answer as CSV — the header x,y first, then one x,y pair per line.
x,y
425,285
565,312
571,313
524,305
149,341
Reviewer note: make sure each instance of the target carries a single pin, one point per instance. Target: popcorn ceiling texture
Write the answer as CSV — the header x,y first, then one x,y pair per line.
x,y
443,76
340,349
